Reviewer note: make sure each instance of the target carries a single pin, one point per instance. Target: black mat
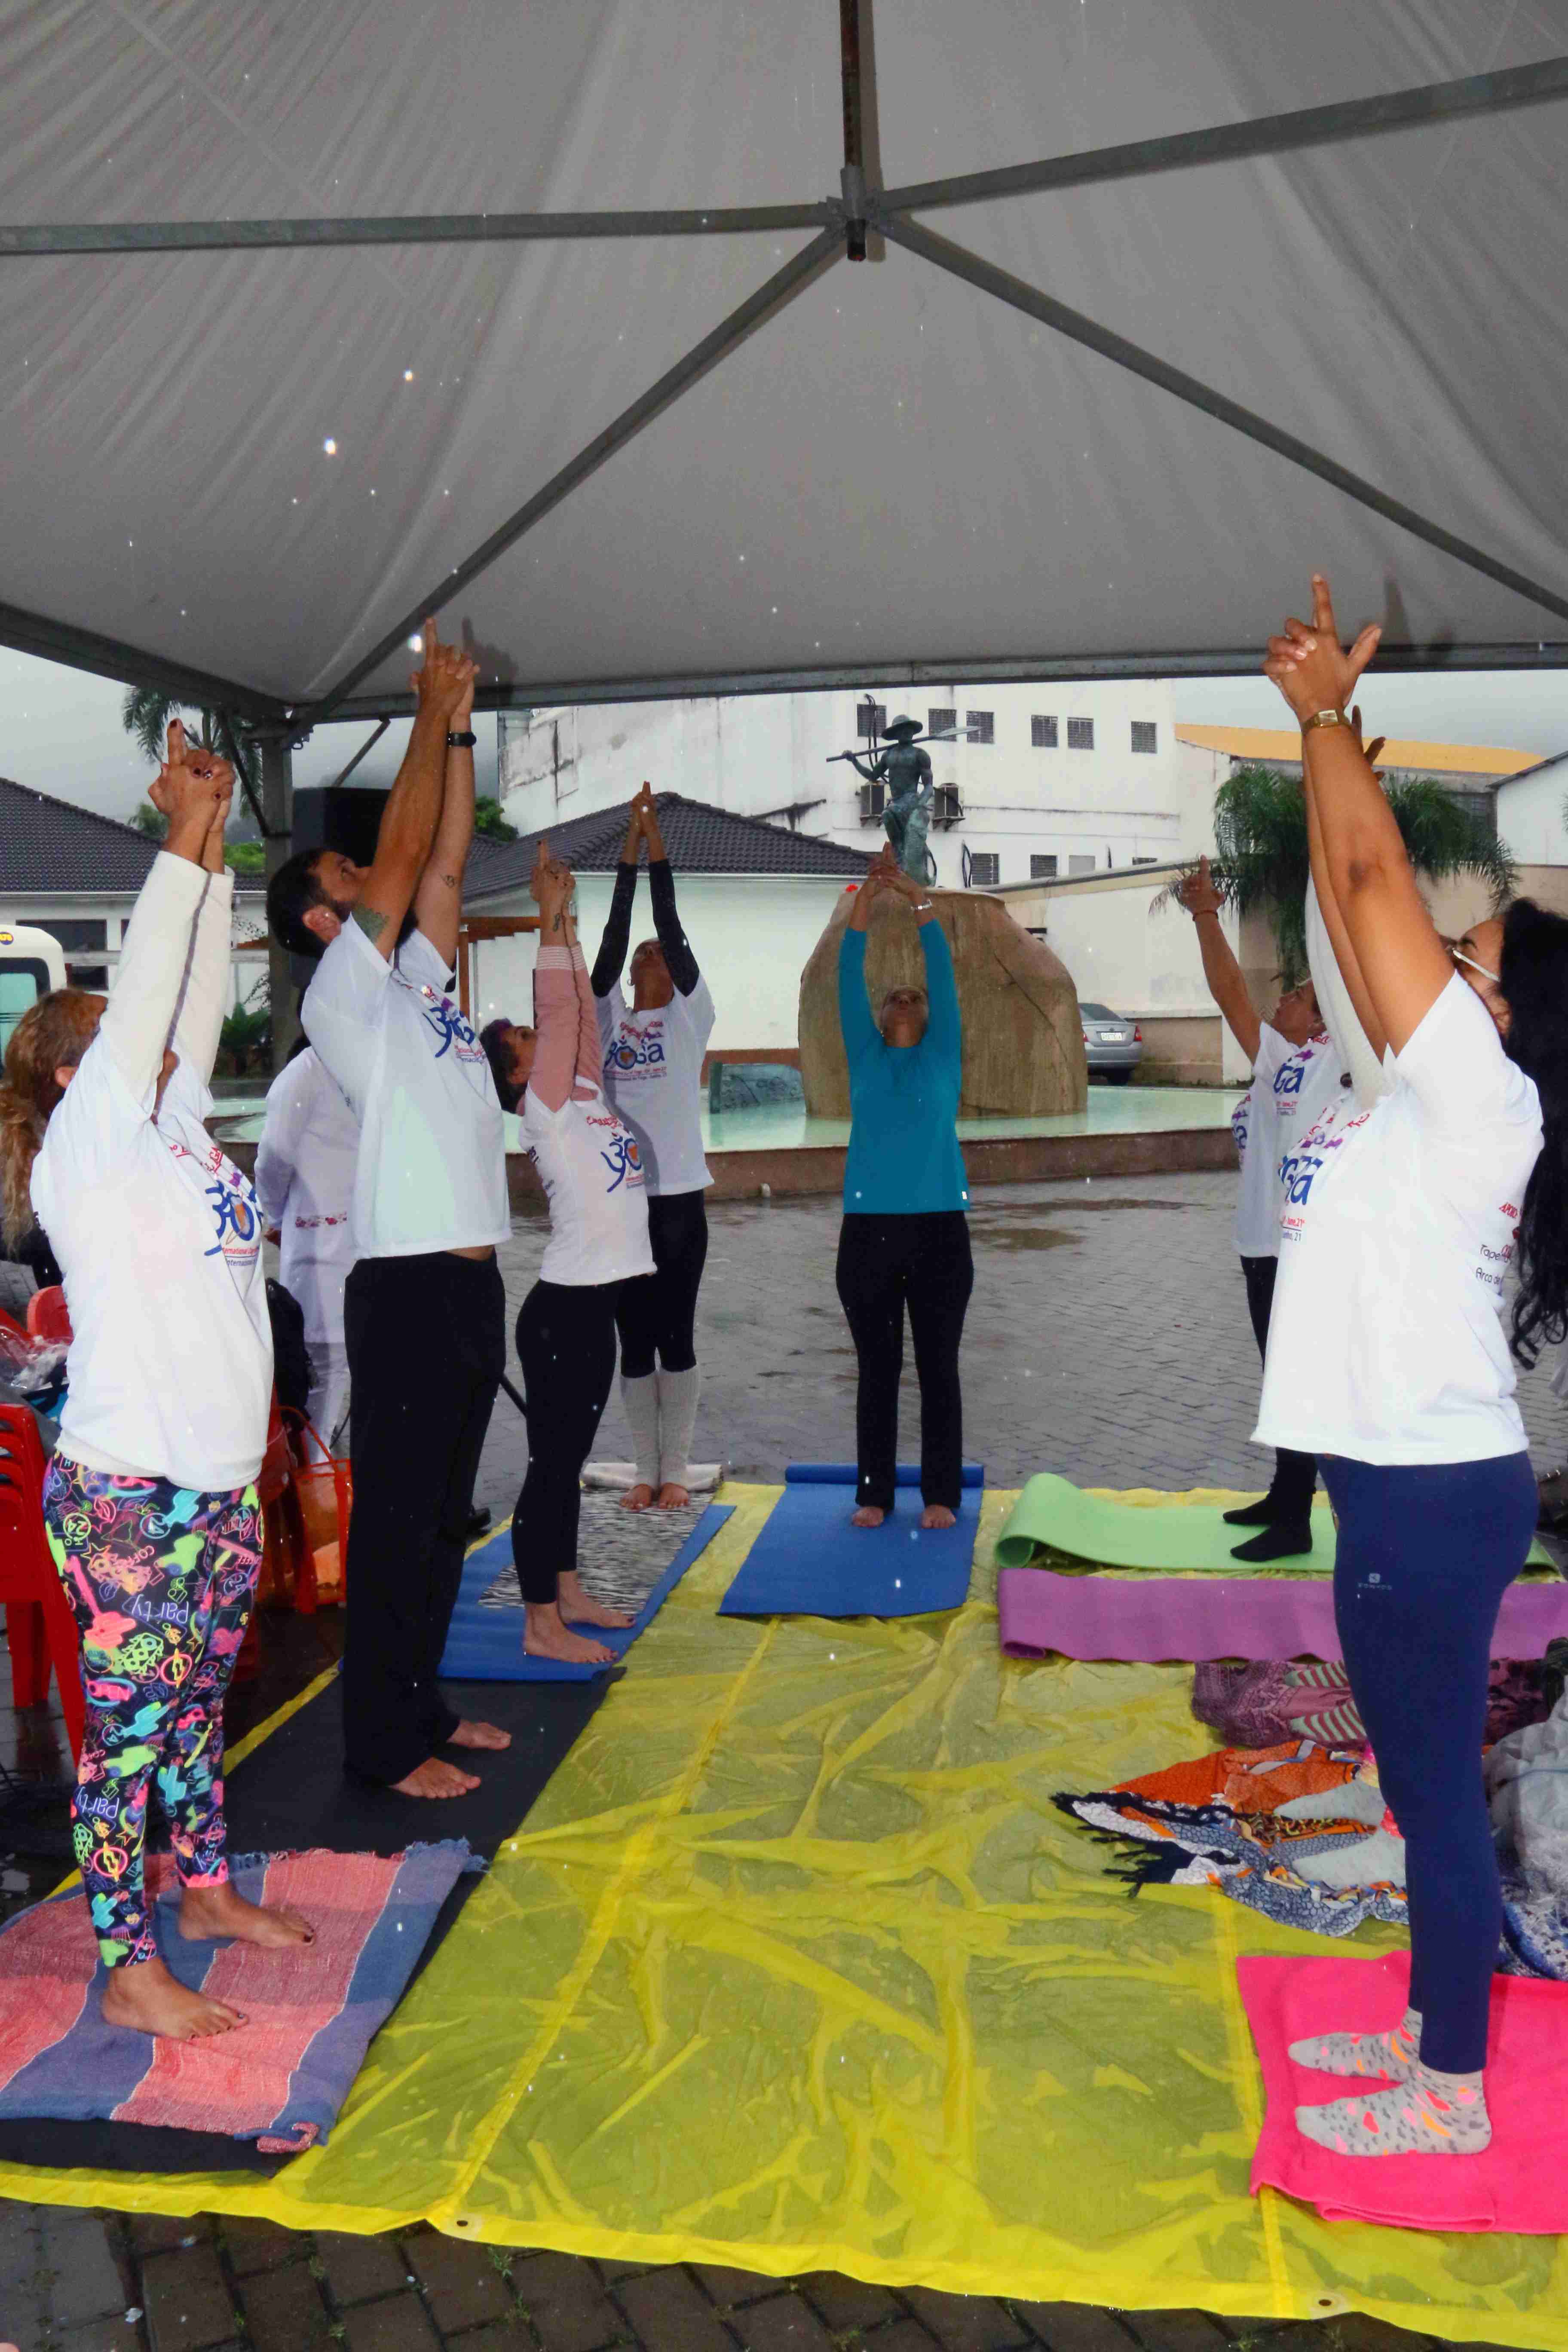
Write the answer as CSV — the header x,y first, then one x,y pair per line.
x,y
290,1793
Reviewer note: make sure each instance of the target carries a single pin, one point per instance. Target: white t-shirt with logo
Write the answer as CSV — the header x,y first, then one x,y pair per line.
x,y
1290,1085
590,1165
653,1075
431,1170
157,1233
305,1166
1398,1223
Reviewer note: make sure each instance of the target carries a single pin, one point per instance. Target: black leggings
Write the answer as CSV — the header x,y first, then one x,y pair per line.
x,y
427,1349
566,1344
656,1313
1425,1556
1295,1474
922,1261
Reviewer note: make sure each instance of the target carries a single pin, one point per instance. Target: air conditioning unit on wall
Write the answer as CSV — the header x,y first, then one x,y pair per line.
x,y
873,800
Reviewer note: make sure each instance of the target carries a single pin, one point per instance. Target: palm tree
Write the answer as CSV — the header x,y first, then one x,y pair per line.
x,y
147,710
1261,860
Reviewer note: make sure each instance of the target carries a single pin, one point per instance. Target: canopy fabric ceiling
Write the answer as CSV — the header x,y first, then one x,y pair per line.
x,y
895,473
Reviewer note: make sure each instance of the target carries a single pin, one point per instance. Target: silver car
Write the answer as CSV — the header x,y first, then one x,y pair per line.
x,y
1112,1046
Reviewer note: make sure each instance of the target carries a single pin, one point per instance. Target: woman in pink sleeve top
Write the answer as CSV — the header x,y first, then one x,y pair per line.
x,y
592,1172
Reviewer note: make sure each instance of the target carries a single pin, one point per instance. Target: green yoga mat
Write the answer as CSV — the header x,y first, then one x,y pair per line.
x,y
1052,1515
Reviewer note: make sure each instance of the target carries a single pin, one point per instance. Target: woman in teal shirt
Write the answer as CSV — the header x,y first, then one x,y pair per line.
x,y
905,1237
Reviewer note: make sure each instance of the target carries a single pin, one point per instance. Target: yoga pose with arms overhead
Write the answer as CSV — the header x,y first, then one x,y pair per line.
x,y
1295,1070
904,1242
653,1052
591,1168
424,1310
148,1504
1388,1359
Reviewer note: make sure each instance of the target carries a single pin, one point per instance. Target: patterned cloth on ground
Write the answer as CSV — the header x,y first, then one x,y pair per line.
x,y
281,2078
1271,1699
621,1554
1285,1829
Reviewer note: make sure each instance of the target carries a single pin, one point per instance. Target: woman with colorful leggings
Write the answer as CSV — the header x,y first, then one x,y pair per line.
x,y
149,1505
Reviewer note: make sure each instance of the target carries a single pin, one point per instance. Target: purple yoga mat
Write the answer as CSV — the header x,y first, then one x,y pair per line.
x,y
1146,1618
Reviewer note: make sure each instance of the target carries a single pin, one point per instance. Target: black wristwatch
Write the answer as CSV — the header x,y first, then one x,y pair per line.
x,y
463,742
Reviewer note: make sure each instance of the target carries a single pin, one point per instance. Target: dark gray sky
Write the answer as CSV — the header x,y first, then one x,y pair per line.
x,y
60,730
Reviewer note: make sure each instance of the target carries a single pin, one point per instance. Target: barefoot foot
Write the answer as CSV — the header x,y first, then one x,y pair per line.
x,y
937,1515
672,1497
867,1516
435,1778
479,1735
145,1997
546,1635
208,1912
637,1499
579,1608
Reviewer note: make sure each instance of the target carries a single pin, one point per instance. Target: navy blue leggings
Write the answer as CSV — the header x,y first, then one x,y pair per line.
x,y
1425,1556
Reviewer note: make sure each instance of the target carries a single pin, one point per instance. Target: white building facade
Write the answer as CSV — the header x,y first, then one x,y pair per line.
x,y
1037,781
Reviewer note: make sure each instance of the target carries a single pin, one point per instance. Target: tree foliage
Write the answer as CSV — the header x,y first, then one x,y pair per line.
x,y
489,820
146,713
1261,862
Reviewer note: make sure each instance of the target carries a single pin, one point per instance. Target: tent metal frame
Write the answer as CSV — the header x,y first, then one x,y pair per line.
x,y
842,224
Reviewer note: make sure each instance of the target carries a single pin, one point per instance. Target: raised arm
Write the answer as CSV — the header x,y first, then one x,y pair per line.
x,y
158,946
1222,972
611,959
678,956
1363,872
198,1023
859,1032
943,1030
415,806
567,1052
438,899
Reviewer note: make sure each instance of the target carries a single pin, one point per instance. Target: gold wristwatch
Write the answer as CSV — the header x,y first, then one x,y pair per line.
x,y
1324,719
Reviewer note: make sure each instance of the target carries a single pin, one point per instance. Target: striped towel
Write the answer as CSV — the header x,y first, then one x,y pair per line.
x,y
282,2078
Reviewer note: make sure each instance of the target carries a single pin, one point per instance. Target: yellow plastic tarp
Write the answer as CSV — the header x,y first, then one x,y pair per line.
x,y
796,1966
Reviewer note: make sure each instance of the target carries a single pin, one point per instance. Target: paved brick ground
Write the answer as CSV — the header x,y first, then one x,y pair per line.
x,y
1108,1340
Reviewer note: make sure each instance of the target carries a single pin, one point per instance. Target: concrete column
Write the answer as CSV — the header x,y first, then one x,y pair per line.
x,y
278,812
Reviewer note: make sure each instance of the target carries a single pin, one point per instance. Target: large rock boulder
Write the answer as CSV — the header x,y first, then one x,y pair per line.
x,y
1023,1042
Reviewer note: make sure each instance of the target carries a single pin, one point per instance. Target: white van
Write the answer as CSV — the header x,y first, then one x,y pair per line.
x,y
31,963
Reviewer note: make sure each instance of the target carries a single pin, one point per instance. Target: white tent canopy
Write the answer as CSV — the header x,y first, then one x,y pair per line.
x,y
245,468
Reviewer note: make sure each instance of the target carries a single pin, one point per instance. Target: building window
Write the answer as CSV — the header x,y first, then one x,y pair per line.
x,y
1080,865
1042,869
1043,733
980,726
1145,735
1080,734
984,869
870,720
941,723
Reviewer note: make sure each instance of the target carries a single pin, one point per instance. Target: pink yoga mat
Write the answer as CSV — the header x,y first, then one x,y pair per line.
x,y
1521,2182
1149,1618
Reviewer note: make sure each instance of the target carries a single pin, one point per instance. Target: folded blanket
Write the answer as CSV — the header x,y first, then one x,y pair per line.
x,y
310,2008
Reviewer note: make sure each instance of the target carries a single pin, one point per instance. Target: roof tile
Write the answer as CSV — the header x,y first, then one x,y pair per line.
x,y
700,839
52,846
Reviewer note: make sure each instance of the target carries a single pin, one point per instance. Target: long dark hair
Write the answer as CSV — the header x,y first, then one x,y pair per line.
x,y
1532,973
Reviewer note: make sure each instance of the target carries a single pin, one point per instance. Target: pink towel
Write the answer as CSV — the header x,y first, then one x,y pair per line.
x,y
1521,2182
1190,1617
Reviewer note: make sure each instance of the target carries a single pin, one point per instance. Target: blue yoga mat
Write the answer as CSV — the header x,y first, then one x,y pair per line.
x,y
485,1645
809,1562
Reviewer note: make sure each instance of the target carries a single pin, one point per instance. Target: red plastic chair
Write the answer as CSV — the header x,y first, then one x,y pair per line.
x,y
39,1627
47,1318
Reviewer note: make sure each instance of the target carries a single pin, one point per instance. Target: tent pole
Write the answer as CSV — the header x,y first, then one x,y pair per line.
x,y
19,240
853,178
278,810
960,263
1268,134
726,337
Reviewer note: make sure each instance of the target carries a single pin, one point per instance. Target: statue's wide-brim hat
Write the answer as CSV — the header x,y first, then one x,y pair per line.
x,y
902,727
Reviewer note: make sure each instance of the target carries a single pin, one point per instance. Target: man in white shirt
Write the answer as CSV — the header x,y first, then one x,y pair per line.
x,y
423,1307
1296,1072
305,1181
